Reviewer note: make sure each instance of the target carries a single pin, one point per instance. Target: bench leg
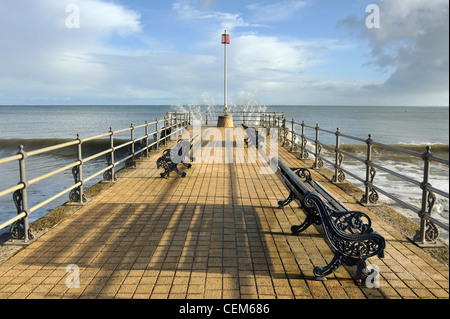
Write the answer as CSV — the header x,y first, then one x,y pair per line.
x,y
177,170
161,163
165,174
187,165
291,197
360,269
321,272
339,260
312,217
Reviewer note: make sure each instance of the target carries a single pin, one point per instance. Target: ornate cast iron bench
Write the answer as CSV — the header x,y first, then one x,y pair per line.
x,y
180,153
254,137
348,232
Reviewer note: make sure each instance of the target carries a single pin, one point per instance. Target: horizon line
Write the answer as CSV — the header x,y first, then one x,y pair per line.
x,y
267,105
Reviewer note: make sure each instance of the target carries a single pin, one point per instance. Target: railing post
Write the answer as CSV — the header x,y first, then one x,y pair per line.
x,y
131,162
23,179
339,175
284,133
132,142
278,128
303,153
111,174
76,195
318,163
156,135
20,229
166,124
174,126
291,149
428,233
80,169
146,139
370,196
167,127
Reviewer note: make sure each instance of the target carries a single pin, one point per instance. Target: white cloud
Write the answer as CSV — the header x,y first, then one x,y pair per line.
x,y
278,71
44,59
265,57
215,20
108,17
275,12
412,42
266,66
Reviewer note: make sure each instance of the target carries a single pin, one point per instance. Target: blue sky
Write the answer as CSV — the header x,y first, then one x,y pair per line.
x,y
297,52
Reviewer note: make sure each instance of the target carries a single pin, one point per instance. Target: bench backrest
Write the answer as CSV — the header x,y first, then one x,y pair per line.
x,y
293,181
365,242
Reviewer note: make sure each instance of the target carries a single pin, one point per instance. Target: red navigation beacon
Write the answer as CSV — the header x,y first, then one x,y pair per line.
x,y
225,38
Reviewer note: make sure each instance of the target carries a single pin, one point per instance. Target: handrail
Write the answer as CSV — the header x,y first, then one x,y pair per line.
x,y
398,149
96,137
172,124
426,233
10,159
42,177
52,148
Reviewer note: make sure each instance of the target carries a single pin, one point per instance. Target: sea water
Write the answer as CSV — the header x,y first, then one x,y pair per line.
x,y
406,127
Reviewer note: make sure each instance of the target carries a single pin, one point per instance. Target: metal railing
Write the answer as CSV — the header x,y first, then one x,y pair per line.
x,y
20,231
428,232
209,117
287,132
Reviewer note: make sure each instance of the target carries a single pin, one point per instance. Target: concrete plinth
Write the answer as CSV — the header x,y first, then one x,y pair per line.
x,y
225,121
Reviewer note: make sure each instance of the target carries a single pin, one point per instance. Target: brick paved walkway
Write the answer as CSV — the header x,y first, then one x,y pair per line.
x,y
214,234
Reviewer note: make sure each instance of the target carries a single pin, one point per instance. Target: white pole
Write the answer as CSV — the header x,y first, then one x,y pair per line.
x,y
225,109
